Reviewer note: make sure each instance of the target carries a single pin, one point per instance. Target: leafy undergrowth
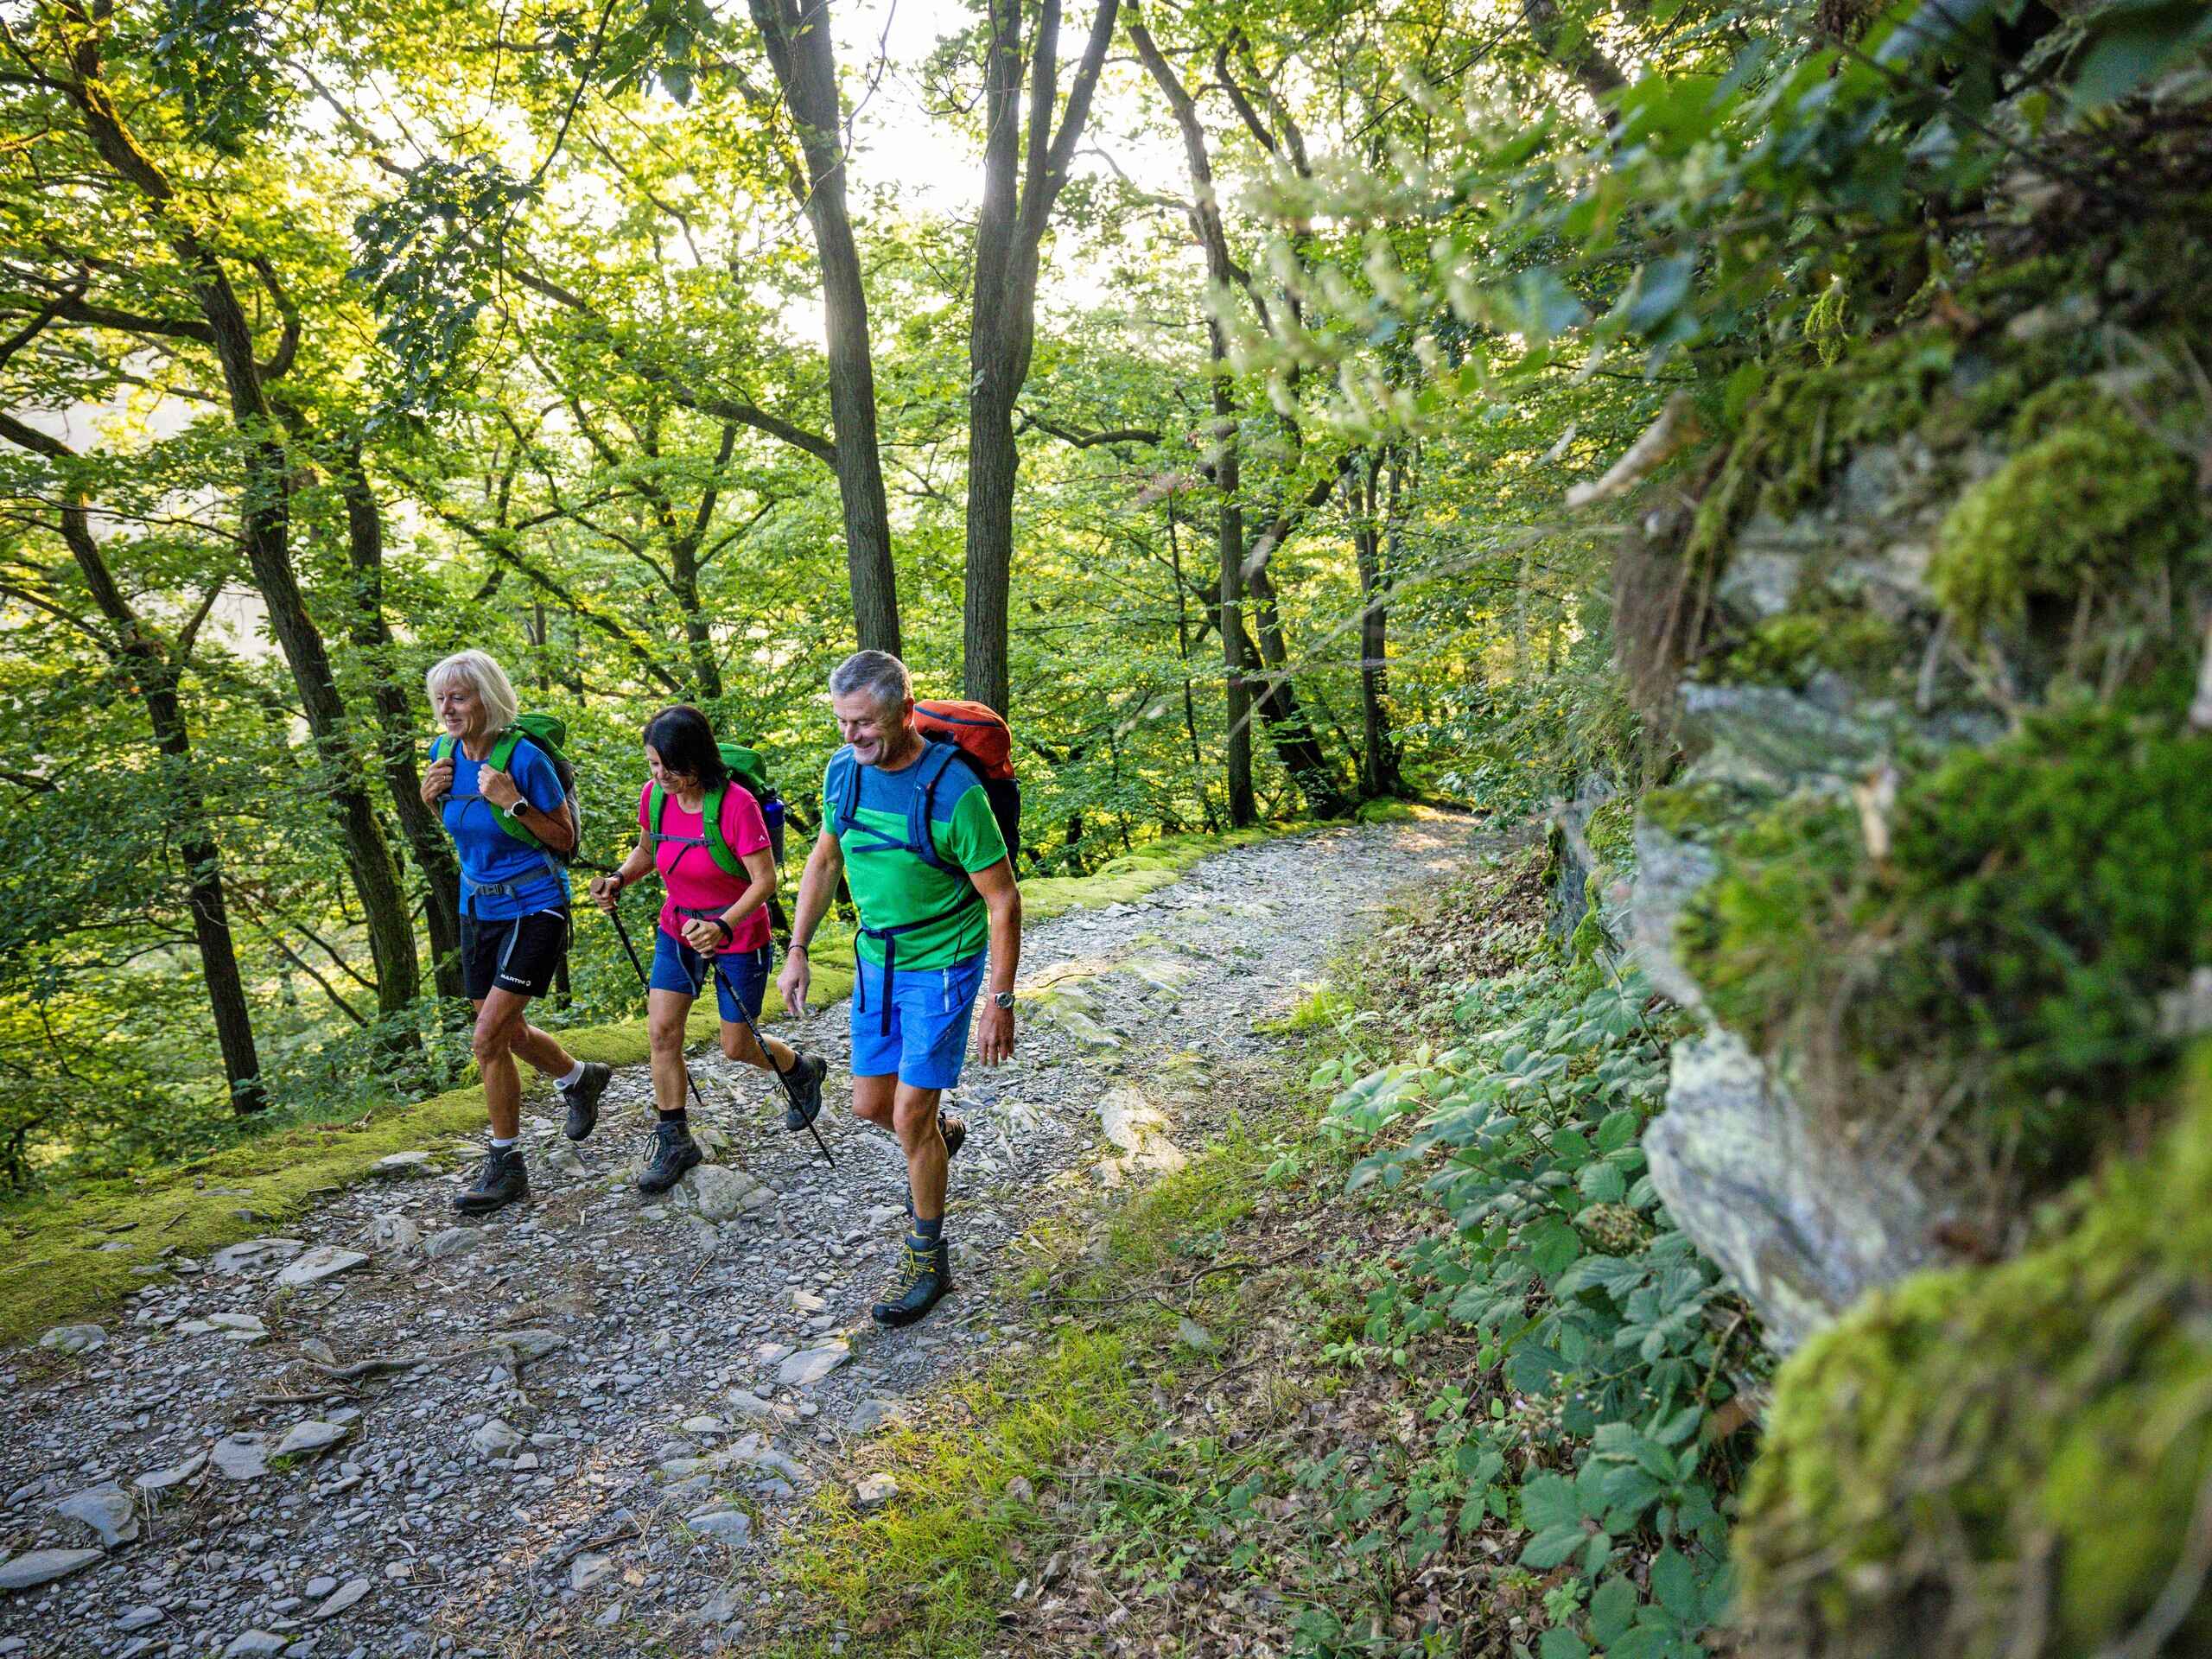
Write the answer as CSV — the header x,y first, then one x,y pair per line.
x,y
1410,1362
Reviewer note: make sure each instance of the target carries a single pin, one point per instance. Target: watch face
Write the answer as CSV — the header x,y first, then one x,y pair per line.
x,y
1004,999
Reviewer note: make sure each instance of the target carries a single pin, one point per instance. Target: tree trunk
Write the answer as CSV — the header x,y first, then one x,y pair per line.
x,y
1244,809
1378,755
266,513
797,39
399,728
155,670
993,461
1183,650
1021,184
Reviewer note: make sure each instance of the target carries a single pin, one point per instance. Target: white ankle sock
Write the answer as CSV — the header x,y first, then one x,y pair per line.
x,y
575,1076
499,1145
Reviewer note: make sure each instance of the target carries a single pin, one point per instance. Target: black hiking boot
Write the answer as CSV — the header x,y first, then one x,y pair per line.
x,y
804,1080
955,1131
499,1183
924,1276
674,1151
583,1100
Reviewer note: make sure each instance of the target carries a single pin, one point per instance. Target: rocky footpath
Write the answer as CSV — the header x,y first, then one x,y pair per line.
x,y
582,1423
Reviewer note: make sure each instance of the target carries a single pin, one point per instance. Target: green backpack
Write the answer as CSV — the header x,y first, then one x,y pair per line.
x,y
547,733
744,766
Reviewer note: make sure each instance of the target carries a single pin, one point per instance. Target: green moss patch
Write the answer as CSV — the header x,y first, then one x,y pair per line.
x,y
2004,1460
2091,509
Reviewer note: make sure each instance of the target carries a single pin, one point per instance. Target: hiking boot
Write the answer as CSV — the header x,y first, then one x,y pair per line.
x,y
804,1082
583,1100
674,1151
501,1182
923,1277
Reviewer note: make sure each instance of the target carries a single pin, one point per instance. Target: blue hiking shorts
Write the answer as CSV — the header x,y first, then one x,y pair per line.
x,y
929,1008
678,968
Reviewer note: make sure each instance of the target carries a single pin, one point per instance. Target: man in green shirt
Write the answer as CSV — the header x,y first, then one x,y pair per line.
x,y
908,824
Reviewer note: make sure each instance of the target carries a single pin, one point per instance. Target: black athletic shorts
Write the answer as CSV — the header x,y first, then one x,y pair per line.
x,y
517,954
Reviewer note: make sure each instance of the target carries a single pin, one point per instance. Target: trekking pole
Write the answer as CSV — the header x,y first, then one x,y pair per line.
x,y
762,1043
623,933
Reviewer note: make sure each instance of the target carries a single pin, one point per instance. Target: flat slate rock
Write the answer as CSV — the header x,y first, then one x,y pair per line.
x,y
159,1480
106,1509
28,1571
809,1366
74,1338
313,1435
255,1253
241,1456
319,1263
340,1599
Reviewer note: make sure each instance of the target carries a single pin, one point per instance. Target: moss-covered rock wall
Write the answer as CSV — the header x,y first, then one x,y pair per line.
x,y
1936,866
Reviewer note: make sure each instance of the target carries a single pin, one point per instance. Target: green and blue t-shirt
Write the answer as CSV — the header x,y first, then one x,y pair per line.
x,y
893,887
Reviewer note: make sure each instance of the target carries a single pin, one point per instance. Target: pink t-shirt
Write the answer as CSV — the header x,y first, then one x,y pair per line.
x,y
688,871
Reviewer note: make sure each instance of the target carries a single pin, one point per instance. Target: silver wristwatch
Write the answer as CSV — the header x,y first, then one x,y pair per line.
x,y
1002,999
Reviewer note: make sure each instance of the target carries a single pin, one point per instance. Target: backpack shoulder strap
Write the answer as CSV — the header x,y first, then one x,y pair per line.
x,y
843,790
710,819
936,757
656,804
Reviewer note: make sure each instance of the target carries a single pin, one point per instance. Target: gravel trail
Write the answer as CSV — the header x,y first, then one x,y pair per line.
x,y
573,1428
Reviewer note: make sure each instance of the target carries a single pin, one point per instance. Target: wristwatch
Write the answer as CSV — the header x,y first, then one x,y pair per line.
x,y
1002,999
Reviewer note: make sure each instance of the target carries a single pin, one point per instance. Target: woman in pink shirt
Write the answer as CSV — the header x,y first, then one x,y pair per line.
x,y
714,924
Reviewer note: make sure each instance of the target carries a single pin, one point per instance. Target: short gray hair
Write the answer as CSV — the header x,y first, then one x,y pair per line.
x,y
880,673
483,676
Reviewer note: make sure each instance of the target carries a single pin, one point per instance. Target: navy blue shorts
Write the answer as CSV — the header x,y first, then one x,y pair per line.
x,y
678,968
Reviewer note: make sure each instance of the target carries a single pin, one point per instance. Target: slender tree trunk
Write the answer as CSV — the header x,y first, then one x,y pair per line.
x,y
797,38
266,513
1183,650
1244,809
155,670
993,460
1378,755
398,728
1022,181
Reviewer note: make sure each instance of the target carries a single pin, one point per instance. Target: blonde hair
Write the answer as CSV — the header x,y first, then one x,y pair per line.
x,y
483,676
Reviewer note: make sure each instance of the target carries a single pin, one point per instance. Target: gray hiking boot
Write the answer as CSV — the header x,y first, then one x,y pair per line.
x,y
583,1100
804,1081
674,1151
499,1183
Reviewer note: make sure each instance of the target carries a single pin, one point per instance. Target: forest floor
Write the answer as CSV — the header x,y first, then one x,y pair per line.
x,y
599,1425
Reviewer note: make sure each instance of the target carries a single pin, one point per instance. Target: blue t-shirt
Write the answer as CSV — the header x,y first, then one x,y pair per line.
x,y
489,855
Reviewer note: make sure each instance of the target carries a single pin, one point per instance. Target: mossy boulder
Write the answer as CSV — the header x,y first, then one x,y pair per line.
x,y
2009,1460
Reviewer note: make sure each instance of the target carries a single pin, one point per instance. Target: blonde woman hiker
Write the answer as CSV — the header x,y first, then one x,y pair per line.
x,y
703,832
513,820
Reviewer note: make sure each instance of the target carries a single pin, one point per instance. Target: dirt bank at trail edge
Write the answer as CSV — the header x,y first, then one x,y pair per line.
x,y
589,1415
